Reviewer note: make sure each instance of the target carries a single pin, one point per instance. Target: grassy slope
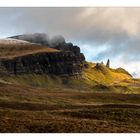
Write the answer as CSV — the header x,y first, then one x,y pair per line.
x,y
9,51
33,103
100,79
42,103
94,78
103,79
104,75
34,109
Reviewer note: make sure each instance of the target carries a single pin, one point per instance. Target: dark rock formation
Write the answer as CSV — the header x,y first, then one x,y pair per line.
x,y
57,63
68,61
108,63
97,65
68,47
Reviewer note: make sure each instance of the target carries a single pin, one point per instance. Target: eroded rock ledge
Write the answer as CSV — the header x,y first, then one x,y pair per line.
x,y
57,63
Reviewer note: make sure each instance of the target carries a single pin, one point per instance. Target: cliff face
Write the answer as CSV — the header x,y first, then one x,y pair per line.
x,y
57,63
68,47
25,56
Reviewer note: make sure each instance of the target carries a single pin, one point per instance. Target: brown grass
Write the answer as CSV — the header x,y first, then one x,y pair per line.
x,y
54,107
93,120
8,51
34,109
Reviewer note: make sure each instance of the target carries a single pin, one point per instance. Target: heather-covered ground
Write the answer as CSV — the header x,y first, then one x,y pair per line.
x,y
35,109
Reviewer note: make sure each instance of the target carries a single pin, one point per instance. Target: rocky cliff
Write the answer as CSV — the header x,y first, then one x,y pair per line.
x,y
58,63
41,61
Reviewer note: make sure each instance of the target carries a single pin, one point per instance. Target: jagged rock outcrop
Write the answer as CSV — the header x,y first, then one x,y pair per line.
x,y
67,61
57,63
108,63
68,47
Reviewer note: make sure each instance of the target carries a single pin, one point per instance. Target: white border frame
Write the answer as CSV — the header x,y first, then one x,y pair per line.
x,y
69,3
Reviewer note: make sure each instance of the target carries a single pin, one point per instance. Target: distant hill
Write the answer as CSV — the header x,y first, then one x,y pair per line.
x,y
104,75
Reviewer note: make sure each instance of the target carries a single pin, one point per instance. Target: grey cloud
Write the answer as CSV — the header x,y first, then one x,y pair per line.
x,y
41,38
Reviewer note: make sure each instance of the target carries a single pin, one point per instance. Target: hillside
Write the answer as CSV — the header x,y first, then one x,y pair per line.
x,y
100,74
36,109
45,89
26,63
92,79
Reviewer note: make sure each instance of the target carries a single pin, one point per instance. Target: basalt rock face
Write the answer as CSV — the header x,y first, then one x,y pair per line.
x,y
68,47
57,63
69,60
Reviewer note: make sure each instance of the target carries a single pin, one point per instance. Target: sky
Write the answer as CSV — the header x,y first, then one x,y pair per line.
x,y
101,33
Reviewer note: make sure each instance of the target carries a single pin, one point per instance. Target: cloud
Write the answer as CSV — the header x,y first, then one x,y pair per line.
x,y
101,33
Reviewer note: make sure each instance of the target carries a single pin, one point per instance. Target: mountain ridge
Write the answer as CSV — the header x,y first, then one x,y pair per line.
x,y
36,64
